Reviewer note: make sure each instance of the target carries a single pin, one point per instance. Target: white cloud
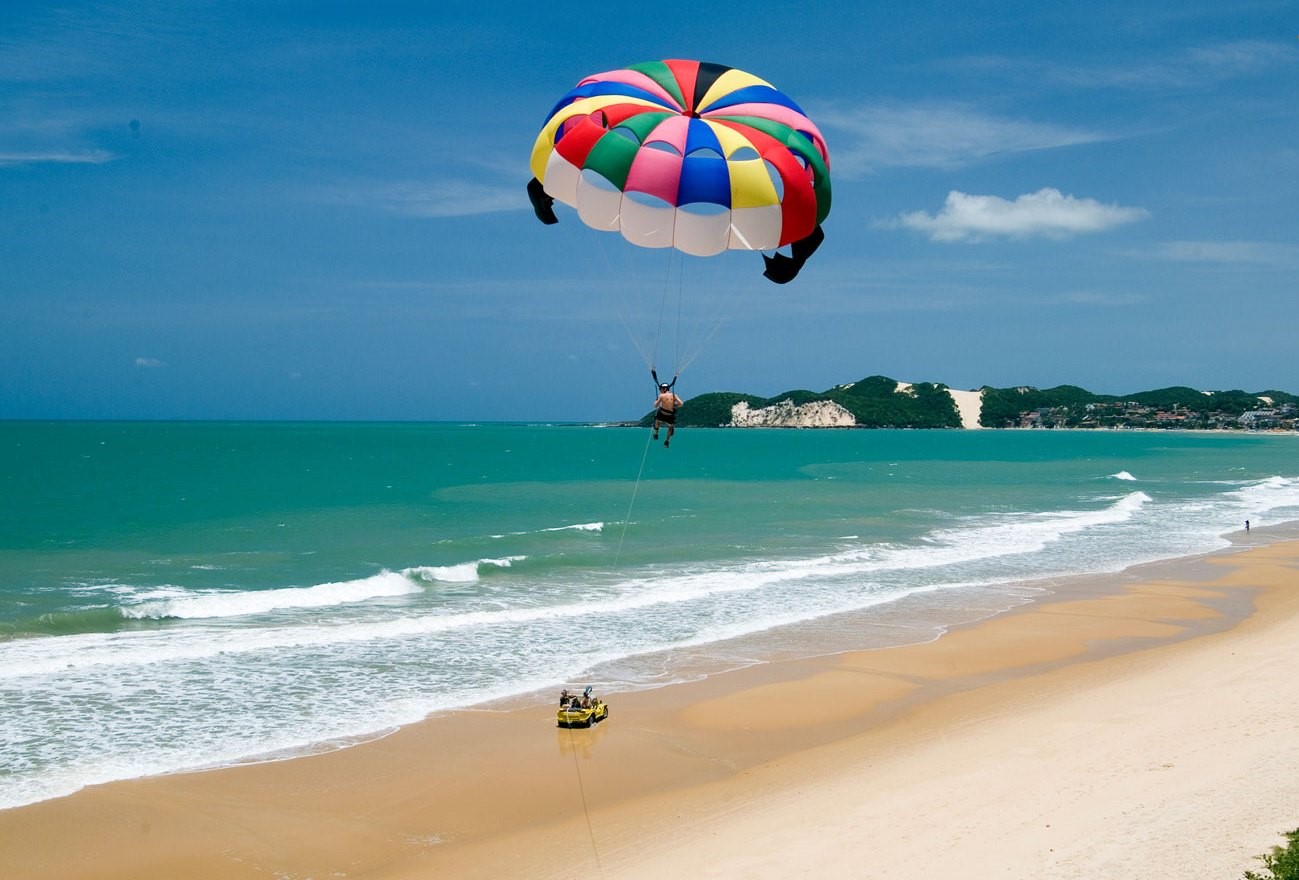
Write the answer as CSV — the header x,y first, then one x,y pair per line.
x,y
60,157
1091,298
1046,213
1192,68
1257,253
1189,68
935,135
149,363
445,198
454,198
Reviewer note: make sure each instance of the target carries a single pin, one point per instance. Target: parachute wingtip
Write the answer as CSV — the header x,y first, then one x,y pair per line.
x,y
782,269
779,269
542,203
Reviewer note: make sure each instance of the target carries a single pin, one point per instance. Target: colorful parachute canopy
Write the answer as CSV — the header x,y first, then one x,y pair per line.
x,y
690,155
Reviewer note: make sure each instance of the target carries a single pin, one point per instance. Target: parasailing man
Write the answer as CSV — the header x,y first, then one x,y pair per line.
x,y
665,411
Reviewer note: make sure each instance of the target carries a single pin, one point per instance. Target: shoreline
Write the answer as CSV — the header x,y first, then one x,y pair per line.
x,y
677,770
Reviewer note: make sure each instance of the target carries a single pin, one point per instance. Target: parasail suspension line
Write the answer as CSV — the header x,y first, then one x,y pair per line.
x,y
635,488
577,765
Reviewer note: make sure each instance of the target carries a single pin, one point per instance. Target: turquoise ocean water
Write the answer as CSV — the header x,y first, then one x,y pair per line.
x,y
183,595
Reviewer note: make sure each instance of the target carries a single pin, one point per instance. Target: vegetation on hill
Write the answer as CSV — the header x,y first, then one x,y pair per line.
x,y
876,402
710,410
1282,863
1069,406
1002,406
1280,397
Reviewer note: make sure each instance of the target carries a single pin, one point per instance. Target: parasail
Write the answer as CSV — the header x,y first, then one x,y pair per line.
x,y
690,155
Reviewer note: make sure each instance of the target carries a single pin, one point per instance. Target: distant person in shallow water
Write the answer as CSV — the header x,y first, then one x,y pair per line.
x,y
665,411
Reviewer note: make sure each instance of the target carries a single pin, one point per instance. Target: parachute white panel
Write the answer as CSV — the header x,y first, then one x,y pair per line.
x,y
756,229
561,179
647,223
702,235
598,202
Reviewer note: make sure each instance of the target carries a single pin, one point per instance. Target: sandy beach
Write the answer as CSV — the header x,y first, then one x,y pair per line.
x,y
1135,725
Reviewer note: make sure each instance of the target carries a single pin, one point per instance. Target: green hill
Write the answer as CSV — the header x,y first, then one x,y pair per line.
x,y
874,402
877,402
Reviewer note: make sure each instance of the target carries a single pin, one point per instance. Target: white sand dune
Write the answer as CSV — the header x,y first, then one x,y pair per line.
x,y
968,403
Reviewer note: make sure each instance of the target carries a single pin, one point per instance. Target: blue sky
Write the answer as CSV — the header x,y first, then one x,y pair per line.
x,y
317,210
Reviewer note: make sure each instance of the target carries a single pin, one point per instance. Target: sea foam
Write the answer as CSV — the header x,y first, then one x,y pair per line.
x,y
236,604
575,527
463,573
1261,497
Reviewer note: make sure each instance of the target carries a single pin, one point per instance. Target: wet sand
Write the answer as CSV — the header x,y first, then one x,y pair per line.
x,y
1135,725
